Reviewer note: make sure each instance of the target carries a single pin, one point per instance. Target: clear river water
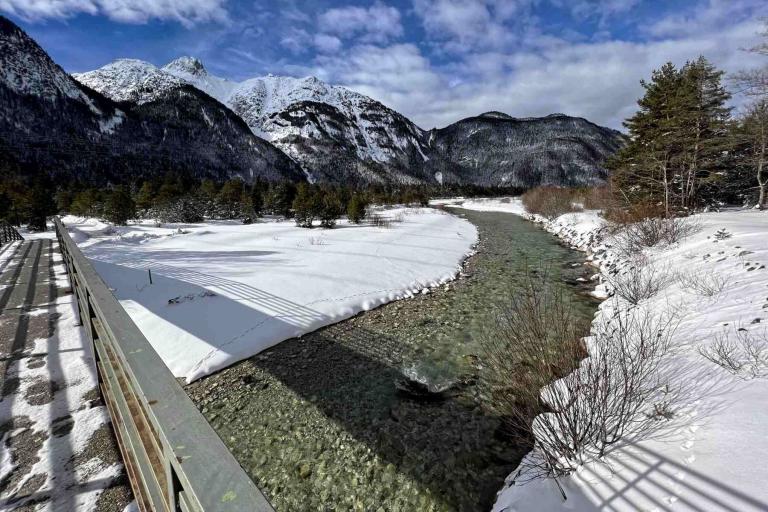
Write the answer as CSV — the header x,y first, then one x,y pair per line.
x,y
332,421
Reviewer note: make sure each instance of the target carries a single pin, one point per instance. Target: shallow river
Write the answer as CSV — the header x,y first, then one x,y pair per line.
x,y
328,421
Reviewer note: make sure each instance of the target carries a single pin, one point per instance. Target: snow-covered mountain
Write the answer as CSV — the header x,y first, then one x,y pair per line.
x,y
51,123
131,119
334,133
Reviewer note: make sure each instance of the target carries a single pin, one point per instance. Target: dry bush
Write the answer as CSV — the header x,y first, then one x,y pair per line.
x,y
631,214
650,232
638,282
740,352
596,198
549,202
575,416
379,221
552,202
705,284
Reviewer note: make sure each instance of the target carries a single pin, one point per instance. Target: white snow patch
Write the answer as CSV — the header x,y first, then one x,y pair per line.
x,y
243,288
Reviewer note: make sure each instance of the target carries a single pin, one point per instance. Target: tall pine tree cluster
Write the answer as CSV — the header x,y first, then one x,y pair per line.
x,y
685,150
678,139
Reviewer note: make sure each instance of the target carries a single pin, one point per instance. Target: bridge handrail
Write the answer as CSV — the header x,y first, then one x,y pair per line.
x,y
174,459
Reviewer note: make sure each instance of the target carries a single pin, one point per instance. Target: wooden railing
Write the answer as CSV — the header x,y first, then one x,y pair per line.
x,y
174,459
8,233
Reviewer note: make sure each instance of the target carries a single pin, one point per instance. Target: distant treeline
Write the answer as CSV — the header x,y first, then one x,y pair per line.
x,y
178,198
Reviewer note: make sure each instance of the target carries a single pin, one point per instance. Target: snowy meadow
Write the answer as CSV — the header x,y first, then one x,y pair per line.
x,y
208,295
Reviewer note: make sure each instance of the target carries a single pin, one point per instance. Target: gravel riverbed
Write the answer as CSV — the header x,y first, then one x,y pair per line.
x,y
382,412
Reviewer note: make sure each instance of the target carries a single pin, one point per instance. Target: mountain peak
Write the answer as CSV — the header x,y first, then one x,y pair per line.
x,y
186,64
494,114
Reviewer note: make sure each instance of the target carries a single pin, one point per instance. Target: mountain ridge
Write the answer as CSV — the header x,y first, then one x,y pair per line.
x,y
131,119
51,123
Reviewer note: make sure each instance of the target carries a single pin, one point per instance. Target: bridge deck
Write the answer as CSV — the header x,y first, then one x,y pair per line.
x,y
57,448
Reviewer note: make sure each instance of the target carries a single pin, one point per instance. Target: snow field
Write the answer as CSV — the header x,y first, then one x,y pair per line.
x,y
710,456
224,291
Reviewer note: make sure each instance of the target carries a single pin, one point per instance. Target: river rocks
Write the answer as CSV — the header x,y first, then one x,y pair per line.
x,y
335,421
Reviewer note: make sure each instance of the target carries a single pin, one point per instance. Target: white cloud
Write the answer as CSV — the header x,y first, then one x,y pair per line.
x,y
296,40
378,23
466,25
187,12
598,80
327,44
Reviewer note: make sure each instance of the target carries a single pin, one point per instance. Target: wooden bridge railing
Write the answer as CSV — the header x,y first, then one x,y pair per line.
x,y
8,233
174,459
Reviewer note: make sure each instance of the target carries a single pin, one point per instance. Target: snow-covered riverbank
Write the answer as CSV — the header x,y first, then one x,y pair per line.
x,y
710,455
224,291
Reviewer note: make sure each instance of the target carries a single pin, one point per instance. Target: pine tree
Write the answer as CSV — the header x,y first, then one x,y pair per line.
x,y
229,199
356,208
145,199
703,120
280,197
330,207
87,203
63,199
39,204
119,207
676,139
257,198
306,205
643,169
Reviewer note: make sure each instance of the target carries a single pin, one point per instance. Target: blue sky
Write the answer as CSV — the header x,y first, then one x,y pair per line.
x,y
435,61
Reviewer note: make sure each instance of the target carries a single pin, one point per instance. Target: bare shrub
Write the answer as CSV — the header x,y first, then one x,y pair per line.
x,y
651,232
550,202
379,221
638,283
707,284
317,240
576,413
623,215
677,229
595,198
740,352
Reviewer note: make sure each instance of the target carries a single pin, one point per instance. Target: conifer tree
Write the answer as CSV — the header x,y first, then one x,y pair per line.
x,y
39,204
676,138
229,199
257,198
87,203
356,208
330,207
703,120
643,169
119,206
306,205
280,197
146,196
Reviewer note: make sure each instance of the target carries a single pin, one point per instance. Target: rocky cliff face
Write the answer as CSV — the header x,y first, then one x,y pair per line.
x,y
51,123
